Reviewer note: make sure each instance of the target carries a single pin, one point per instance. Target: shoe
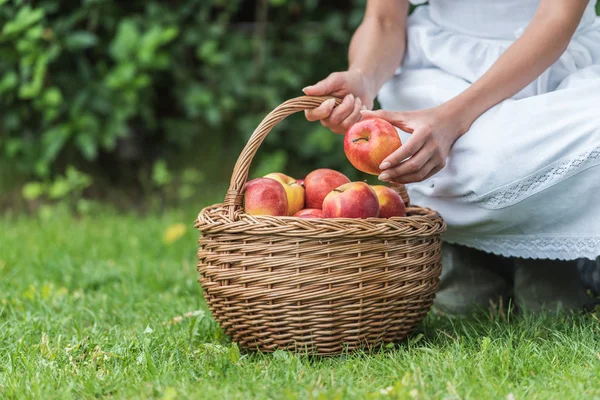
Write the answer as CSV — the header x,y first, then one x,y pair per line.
x,y
550,286
472,281
589,271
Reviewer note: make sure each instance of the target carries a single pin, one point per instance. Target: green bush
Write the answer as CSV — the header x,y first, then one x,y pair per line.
x,y
112,86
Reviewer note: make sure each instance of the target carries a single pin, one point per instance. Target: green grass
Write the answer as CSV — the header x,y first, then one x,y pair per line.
x,y
87,310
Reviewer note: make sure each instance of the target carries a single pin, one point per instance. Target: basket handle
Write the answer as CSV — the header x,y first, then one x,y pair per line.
x,y
233,198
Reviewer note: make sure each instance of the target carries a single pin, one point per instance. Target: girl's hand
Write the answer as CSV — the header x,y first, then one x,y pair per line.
x,y
358,95
434,131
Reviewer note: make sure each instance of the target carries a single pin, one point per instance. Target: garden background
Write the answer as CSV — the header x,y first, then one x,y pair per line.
x,y
122,101
119,121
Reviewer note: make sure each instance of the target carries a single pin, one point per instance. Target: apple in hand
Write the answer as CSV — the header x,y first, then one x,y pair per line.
x,y
294,191
390,202
309,213
368,142
263,196
351,200
319,183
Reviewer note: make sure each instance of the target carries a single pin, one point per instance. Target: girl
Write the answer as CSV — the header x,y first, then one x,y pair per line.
x,y
498,102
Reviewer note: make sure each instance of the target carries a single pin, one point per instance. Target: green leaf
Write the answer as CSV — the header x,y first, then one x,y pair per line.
x,y
41,168
125,43
59,189
160,173
77,179
80,40
8,82
33,88
33,190
88,145
35,32
51,114
207,50
234,353
25,17
13,146
52,97
150,43
121,76
142,81
53,141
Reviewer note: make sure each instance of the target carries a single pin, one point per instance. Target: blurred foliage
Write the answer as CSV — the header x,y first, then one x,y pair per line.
x,y
128,90
65,190
161,95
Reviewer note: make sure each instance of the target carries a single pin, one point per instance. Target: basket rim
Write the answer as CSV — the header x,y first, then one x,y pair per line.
x,y
420,222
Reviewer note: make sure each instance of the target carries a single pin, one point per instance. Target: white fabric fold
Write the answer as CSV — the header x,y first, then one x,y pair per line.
x,y
525,180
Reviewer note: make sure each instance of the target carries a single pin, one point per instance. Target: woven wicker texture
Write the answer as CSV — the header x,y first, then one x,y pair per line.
x,y
321,286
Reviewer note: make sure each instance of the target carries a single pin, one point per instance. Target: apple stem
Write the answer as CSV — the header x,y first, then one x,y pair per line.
x,y
362,138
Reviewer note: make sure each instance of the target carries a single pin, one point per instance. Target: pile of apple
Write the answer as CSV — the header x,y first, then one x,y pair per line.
x,y
325,193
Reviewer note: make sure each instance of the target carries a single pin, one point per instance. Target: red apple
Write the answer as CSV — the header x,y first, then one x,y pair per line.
x,y
390,202
368,142
351,200
295,192
309,213
319,183
264,196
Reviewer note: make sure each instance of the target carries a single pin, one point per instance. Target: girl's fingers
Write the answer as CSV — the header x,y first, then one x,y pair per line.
x,y
340,113
384,114
321,112
395,118
416,142
410,166
420,175
434,171
354,117
333,83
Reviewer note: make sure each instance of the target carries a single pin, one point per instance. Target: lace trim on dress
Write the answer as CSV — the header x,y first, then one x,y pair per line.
x,y
543,179
544,247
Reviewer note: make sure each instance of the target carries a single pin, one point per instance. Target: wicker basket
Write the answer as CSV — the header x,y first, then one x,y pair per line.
x,y
321,286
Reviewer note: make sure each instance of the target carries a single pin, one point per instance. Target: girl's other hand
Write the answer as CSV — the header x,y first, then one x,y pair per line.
x,y
357,95
433,130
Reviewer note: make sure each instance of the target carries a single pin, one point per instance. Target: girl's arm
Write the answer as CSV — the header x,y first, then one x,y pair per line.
x,y
378,45
435,130
542,43
376,50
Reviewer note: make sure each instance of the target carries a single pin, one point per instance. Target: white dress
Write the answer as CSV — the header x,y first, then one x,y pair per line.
x,y
524,181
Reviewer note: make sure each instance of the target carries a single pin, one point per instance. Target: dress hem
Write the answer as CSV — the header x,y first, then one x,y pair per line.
x,y
564,248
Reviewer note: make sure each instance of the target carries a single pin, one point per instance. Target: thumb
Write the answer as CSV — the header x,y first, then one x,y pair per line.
x,y
393,117
329,85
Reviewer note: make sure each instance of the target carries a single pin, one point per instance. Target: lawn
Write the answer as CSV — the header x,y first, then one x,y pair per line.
x,y
109,306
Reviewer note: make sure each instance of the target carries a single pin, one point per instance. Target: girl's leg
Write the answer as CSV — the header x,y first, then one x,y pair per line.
x,y
472,280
